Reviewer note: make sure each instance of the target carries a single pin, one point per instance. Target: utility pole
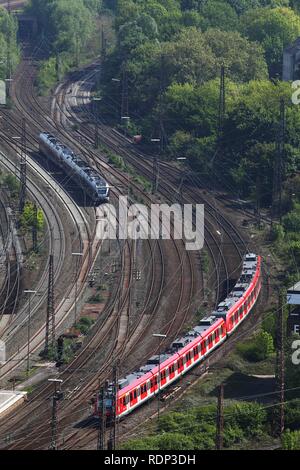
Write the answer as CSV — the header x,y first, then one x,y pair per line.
x,y
96,140
102,419
258,199
9,6
50,321
220,419
57,395
34,229
155,175
57,67
30,292
103,43
113,430
278,171
23,169
162,133
8,57
124,96
280,362
222,105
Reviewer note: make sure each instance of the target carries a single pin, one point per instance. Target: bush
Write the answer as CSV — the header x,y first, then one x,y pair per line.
x,y
116,160
291,221
291,440
11,182
258,349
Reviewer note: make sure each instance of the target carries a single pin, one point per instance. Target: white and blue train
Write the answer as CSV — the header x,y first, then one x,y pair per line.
x,y
75,168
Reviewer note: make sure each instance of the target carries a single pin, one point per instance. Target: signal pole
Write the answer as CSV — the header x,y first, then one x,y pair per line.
x,y
220,419
113,431
280,362
102,419
57,395
50,321
23,169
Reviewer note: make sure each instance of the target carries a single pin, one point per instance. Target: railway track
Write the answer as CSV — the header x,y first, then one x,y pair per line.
x,y
220,269
10,264
137,332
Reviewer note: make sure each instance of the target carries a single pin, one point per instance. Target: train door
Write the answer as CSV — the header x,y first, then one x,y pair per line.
x,y
180,365
188,359
133,397
196,353
171,372
144,391
153,384
203,348
163,377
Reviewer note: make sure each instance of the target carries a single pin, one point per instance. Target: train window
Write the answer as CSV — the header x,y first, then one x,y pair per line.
x,y
196,351
131,396
134,394
124,401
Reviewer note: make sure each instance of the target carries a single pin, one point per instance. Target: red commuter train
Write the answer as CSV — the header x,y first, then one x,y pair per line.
x,y
189,350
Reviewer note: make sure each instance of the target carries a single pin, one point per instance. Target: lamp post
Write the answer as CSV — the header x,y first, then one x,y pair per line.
x,y
76,283
30,292
161,337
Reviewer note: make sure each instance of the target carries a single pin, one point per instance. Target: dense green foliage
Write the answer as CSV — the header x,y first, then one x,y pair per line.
x,y
67,26
291,440
196,428
172,52
9,50
259,348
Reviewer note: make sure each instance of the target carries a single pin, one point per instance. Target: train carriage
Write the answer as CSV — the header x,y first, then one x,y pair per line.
x,y
189,350
75,167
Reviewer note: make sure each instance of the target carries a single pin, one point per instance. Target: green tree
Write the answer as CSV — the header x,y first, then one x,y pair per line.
x,y
274,29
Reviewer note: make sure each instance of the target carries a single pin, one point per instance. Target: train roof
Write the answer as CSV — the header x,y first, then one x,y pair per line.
x,y
77,159
207,325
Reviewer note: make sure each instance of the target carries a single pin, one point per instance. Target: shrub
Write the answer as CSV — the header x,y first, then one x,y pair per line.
x,y
258,349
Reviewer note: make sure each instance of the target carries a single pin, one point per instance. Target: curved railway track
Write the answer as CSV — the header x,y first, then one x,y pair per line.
x,y
10,264
137,332
126,339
